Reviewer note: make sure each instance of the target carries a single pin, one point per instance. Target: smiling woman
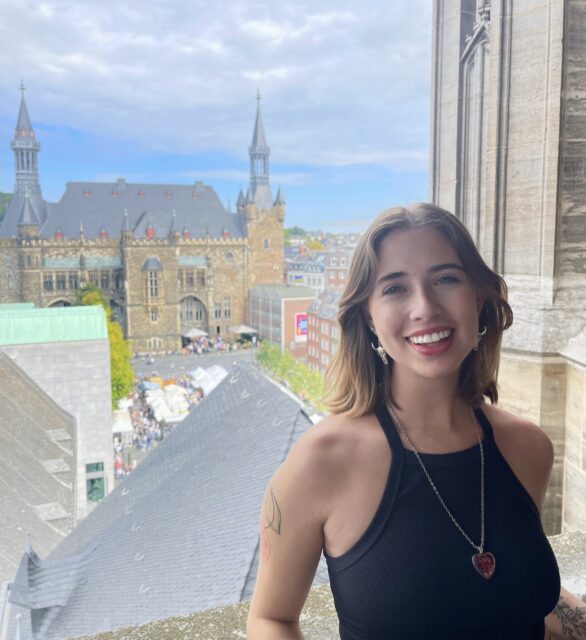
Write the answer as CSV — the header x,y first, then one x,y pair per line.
x,y
422,496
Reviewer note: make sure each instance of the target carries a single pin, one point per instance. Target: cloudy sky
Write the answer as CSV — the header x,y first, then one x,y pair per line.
x,y
164,92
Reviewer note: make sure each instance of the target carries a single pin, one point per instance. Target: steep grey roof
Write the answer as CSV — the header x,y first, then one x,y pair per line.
x,y
180,534
23,121
9,226
36,494
280,199
259,140
152,264
261,195
28,214
326,305
99,204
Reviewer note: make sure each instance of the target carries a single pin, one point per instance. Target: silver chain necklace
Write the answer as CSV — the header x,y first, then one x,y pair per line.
x,y
484,562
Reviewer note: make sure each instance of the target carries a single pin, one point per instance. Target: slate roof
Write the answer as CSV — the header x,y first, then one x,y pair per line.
x,y
180,534
281,291
326,305
102,205
36,472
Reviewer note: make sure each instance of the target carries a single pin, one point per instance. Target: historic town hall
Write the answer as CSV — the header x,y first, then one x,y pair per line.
x,y
168,257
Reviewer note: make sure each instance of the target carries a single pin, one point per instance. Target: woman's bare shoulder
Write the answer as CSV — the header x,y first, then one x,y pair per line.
x,y
324,454
525,446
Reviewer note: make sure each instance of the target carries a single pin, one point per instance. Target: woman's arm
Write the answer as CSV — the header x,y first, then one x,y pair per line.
x,y
568,619
530,454
291,540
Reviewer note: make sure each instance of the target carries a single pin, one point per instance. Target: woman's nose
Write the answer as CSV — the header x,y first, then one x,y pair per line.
x,y
424,305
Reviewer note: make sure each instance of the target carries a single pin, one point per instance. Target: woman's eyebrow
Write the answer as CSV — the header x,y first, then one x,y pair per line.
x,y
400,274
446,265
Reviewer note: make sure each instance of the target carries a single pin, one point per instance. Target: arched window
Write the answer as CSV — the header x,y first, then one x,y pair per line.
x,y
192,311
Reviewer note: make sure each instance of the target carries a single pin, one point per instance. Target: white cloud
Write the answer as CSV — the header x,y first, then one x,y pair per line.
x,y
342,82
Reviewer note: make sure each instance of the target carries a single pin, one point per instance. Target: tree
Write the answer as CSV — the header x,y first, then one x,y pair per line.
x,y
121,372
302,381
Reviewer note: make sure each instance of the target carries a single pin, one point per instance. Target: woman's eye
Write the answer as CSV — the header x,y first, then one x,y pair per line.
x,y
396,288
448,280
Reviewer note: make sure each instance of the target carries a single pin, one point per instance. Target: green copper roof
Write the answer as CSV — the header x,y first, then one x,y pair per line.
x,y
29,325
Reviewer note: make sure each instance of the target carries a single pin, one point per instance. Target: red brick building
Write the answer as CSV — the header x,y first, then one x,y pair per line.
x,y
323,332
279,314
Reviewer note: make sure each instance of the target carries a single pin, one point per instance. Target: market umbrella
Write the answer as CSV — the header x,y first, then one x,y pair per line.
x,y
242,328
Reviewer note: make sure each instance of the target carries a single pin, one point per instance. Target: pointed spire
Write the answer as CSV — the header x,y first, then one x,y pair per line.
x,y
28,214
172,226
258,137
248,199
279,200
23,124
240,201
126,223
259,151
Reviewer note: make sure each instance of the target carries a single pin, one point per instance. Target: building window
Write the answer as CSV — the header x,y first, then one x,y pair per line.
x,y
153,284
104,280
189,279
93,277
61,281
95,481
227,308
154,314
118,279
73,282
154,343
201,278
266,243
218,311
48,281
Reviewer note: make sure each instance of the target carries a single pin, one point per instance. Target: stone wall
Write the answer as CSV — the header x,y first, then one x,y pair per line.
x,y
76,375
266,245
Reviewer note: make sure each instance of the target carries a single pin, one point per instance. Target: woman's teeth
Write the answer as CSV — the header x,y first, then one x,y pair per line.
x,y
430,338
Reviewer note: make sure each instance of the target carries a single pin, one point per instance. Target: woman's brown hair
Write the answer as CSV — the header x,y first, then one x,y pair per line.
x,y
356,380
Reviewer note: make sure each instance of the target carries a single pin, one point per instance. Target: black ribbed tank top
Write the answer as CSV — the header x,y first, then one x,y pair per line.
x,y
410,575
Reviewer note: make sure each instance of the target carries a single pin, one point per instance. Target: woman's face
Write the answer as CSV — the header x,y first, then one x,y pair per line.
x,y
424,307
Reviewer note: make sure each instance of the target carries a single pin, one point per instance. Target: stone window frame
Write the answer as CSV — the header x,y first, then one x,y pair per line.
x,y
104,280
217,310
73,280
227,307
266,243
60,281
48,280
154,314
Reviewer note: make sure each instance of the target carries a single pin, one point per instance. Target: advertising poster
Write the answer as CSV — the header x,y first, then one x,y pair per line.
x,y
301,327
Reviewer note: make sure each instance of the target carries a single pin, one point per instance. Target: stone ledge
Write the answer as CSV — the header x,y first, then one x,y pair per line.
x,y
318,619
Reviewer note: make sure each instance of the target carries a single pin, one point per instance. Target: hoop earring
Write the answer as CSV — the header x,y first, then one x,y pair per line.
x,y
478,338
382,354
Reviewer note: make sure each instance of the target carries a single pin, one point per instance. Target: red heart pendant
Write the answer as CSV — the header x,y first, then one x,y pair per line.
x,y
484,563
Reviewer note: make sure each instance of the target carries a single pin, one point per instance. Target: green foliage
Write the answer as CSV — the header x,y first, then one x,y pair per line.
x,y
4,200
296,375
293,231
314,245
121,372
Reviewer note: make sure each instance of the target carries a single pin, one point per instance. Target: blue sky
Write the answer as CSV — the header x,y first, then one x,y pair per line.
x,y
164,93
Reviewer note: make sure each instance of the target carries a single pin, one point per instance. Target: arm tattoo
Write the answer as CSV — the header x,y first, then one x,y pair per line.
x,y
572,620
272,512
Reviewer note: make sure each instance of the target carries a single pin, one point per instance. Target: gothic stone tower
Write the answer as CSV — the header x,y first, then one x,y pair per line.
x,y
508,156
263,216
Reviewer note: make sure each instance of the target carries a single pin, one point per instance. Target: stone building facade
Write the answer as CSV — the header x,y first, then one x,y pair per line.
x,y
508,156
168,257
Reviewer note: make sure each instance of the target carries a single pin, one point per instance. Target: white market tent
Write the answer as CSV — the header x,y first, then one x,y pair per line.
x,y
121,422
243,328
